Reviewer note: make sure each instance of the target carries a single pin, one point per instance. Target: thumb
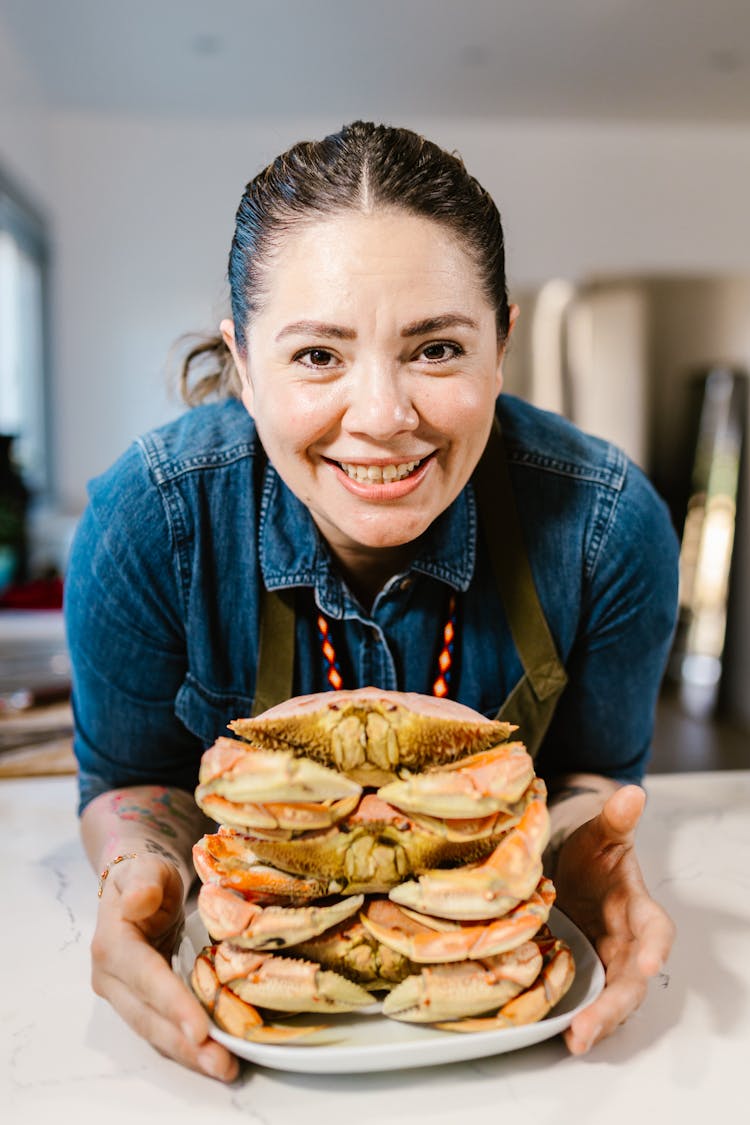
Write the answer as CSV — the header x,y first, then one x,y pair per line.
x,y
621,812
141,899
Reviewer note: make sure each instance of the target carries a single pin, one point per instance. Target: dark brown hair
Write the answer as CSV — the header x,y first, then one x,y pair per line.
x,y
361,168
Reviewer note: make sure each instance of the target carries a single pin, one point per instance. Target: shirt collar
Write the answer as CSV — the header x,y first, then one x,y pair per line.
x,y
293,553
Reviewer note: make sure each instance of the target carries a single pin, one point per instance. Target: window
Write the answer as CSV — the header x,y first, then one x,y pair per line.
x,y
23,336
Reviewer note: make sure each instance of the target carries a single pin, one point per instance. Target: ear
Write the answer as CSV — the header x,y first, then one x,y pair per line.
x,y
513,312
240,362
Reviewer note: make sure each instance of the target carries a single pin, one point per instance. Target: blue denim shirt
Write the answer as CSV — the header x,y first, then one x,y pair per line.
x,y
162,597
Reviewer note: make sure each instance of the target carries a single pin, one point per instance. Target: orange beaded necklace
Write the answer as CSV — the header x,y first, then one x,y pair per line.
x,y
441,685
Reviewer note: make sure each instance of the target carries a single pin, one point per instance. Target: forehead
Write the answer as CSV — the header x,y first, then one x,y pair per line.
x,y
380,255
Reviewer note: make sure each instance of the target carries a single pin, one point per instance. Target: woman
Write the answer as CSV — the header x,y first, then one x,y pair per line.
x,y
361,477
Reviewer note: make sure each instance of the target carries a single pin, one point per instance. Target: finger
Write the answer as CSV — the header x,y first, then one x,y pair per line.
x,y
145,973
171,1039
621,813
618,1000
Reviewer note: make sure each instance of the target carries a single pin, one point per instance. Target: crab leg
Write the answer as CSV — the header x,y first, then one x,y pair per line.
x,y
230,1012
426,940
484,783
250,926
443,992
535,1002
229,861
493,887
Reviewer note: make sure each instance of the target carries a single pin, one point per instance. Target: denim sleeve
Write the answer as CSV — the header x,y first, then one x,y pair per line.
x,y
126,639
604,722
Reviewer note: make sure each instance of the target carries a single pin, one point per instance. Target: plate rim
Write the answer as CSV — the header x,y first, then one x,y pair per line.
x,y
446,1047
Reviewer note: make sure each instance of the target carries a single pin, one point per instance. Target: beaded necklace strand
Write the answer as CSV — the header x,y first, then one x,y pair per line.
x,y
440,686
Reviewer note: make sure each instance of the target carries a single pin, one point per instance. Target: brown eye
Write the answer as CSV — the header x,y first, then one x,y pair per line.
x,y
315,357
439,353
319,357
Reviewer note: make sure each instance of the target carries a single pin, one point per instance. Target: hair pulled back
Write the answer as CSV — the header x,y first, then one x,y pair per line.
x,y
364,167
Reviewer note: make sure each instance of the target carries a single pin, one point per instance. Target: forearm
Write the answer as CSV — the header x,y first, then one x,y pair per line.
x,y
573,799
145,819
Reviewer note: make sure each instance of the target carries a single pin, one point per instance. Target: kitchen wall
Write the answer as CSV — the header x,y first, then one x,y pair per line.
x,y
24,125
142,210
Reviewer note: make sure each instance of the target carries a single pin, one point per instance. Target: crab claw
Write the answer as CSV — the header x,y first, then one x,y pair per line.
x,y
534,1003
286,984
228,861
493,887
369,734
441,992
240,772
426,940
276,820
484,783
250,926
230,1012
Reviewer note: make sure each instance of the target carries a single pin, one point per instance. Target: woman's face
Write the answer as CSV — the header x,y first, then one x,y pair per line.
x,y
372,372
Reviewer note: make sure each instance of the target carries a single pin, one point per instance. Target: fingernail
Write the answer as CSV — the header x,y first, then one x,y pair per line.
x,y
210,1064
189,1032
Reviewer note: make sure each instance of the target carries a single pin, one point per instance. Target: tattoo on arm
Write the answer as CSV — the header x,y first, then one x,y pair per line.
x,y
156,812
155,848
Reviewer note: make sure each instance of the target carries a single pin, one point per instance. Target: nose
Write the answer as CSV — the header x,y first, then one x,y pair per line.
x,y
380,403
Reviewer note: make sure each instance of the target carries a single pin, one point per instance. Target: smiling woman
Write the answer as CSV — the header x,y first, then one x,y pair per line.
x,y
360,505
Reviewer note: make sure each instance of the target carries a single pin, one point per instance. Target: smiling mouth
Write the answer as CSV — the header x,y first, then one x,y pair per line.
x,y
380,474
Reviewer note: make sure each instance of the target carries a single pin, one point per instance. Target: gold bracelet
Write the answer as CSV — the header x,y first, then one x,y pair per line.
x,y
110,865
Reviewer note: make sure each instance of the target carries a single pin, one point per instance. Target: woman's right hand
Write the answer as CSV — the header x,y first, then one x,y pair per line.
x,y
140,913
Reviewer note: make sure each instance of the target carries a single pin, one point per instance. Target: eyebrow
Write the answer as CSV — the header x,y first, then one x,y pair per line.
x,y
316,328
438,324
416,328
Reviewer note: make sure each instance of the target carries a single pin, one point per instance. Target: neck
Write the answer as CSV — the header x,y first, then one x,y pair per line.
x,y
366,572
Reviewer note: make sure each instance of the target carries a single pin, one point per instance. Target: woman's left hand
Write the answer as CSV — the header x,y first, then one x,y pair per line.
x,y
600,886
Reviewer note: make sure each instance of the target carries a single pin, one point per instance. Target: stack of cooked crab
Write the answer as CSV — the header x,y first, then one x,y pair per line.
x,y
385,842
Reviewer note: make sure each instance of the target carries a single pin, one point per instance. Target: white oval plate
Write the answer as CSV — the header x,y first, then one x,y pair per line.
x,y
369,1041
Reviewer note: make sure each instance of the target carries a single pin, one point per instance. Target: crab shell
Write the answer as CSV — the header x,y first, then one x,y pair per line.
x,y
369,735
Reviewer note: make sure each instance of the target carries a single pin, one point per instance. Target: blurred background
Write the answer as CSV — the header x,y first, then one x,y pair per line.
x,y
614,136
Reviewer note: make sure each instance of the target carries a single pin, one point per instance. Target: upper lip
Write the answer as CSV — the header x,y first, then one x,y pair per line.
x,y
381,462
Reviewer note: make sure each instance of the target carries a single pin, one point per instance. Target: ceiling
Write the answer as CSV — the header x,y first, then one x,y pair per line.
x,y
660,60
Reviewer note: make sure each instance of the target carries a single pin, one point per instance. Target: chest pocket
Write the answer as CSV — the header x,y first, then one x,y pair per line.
x,y
206,713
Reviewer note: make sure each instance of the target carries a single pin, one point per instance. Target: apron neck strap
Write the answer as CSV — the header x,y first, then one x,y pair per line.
x,y
510,563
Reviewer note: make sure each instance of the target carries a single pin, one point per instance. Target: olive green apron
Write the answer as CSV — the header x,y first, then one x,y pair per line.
x,y
531,703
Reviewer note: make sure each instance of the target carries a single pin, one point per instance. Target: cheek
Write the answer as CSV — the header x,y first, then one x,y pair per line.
x,y
460,406
294,417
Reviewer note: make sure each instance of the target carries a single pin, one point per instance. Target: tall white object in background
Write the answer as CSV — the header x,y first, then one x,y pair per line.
x,y
607,365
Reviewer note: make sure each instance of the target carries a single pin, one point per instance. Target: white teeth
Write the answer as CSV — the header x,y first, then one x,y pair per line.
x,y
377,474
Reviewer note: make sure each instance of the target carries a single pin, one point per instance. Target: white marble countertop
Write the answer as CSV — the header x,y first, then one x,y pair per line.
x,y
683,1057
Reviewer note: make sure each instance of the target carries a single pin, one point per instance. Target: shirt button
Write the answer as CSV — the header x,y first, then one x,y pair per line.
x,y
405,583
